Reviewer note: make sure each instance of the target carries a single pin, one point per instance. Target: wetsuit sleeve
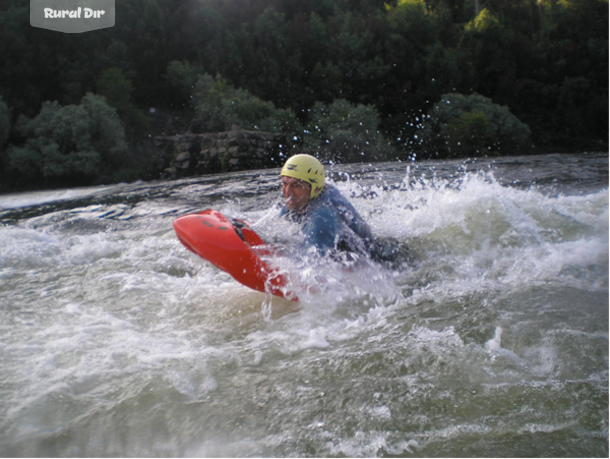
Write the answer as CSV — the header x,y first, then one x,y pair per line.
x,y
350,215
321,229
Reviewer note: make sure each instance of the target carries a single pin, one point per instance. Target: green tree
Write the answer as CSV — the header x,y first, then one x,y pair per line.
x,y
416,64
468,133
576,20
546,59
20,82
447,69
117,89
473,125
344,132
207,100
68,145
491,48
182,76
411,20
219,106
143,25
356,55
266,56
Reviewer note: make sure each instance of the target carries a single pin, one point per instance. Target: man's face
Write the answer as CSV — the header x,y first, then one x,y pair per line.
x,y
296,193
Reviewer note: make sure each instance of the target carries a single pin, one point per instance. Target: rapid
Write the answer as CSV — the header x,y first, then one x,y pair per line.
x,y
491,341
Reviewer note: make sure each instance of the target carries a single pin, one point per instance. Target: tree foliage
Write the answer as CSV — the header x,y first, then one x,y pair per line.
x,y
279,64
117,90
344,132
219,107
68,144
182,78
473,125
340,131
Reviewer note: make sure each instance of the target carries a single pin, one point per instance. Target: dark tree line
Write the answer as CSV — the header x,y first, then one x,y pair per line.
x,y
317,68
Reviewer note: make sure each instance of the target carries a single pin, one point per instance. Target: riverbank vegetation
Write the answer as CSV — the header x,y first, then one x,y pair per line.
x,y
349,80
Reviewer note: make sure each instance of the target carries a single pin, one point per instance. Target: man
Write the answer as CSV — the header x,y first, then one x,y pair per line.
x,y
329,221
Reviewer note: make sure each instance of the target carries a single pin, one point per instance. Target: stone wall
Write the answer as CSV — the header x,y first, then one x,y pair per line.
x,y
198,154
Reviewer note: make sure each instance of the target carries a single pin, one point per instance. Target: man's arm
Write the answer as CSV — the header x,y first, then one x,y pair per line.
x,y
321,229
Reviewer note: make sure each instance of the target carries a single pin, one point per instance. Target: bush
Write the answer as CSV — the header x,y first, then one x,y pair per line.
x,y
469,131
245,110
219,106
345,132
70,145
340,131
473,125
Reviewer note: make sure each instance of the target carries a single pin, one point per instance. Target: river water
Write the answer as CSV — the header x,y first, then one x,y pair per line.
x,y
491,341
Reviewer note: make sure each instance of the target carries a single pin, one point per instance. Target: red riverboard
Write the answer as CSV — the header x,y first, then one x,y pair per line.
x,y
232,247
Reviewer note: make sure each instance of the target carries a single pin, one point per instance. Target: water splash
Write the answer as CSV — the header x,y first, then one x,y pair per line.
x,y
117,341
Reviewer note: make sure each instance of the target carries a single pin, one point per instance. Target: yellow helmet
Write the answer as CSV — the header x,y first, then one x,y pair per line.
x,y
307,168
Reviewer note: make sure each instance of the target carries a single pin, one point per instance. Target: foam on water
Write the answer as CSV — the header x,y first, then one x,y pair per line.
x,y
489,232
37,198
115,340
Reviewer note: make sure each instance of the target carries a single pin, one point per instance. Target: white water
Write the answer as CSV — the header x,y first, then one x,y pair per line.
x,y
114,340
